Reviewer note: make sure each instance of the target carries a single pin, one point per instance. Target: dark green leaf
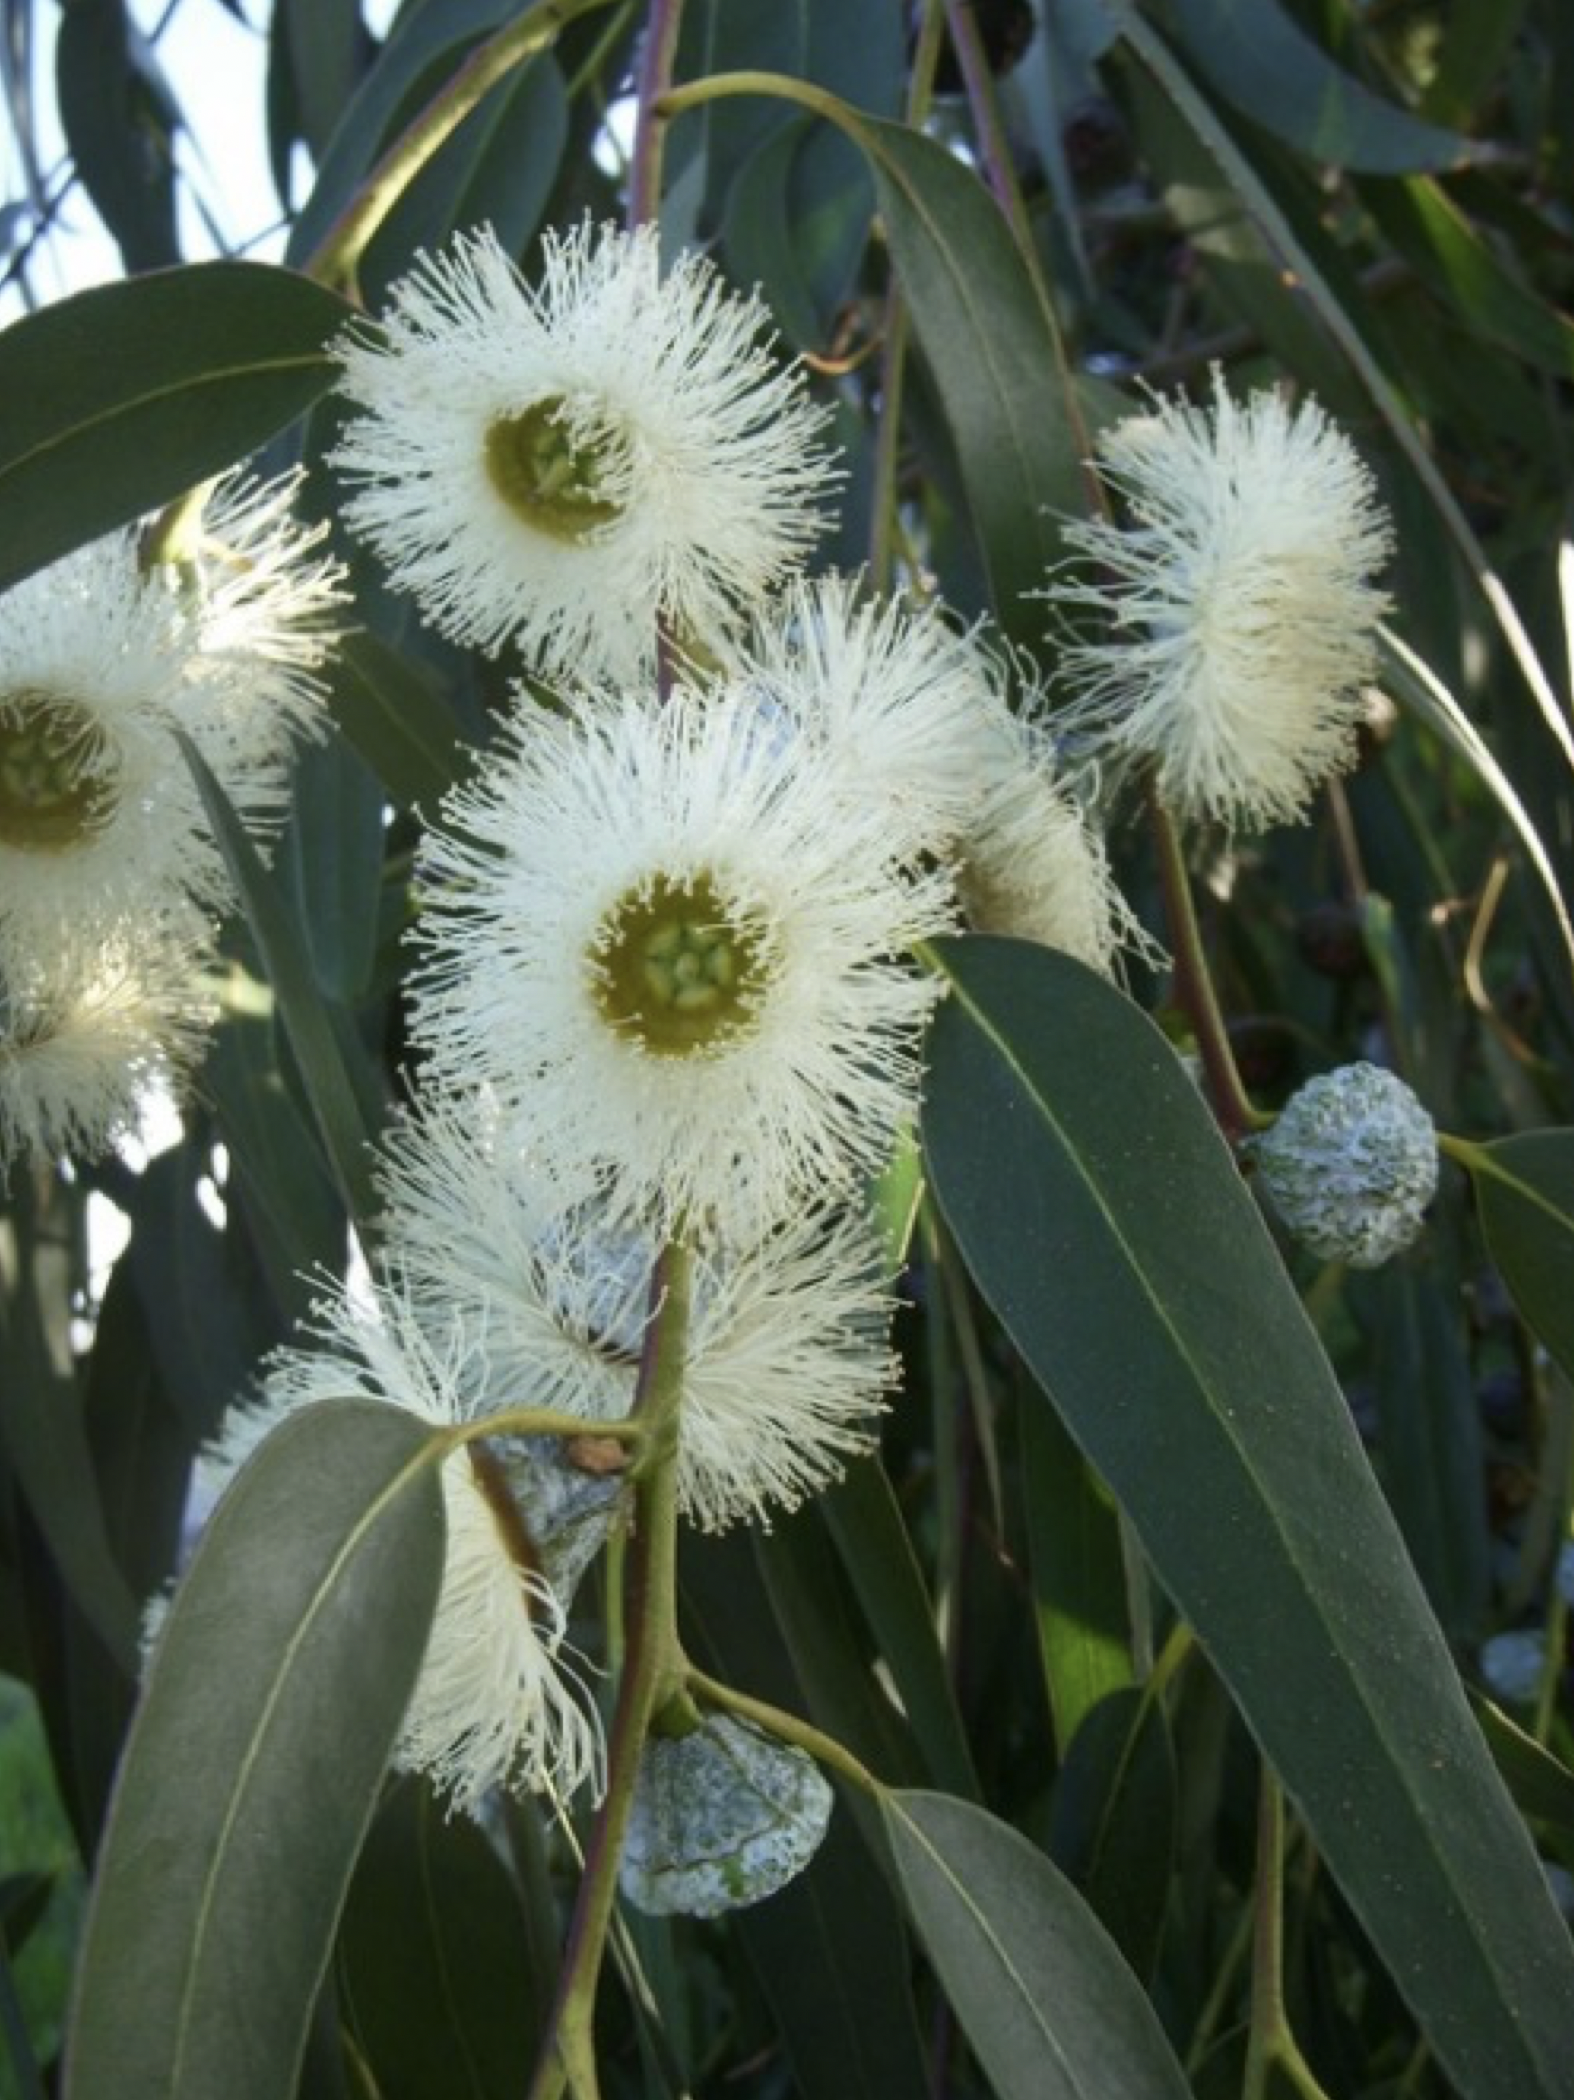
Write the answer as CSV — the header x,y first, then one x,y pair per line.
x,y
1114,1825
276,1690
1078,1572
332,1066
828,1949
332,860
866,1524
1049,2006
1107,1224
1430,1438
117,400
1432,234
43,1433
1274,73
433,1960
120,122
394,713
1525,1187
995,354
1543,1788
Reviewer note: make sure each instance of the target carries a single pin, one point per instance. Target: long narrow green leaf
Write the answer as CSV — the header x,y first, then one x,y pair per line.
x,y
1108,1226
1525,1187
1273,72
320,1041
1051,2009
276,1691
117,400
988,337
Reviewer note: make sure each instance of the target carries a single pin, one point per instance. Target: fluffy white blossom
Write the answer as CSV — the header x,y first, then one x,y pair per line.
x,y
1031,866
1351,1164
675,954
101,664
88,1023
905,706
1237,600
787,1360
496,1702
565,465
263,606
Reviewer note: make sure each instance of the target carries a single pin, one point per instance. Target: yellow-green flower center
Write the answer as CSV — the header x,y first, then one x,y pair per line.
x,y
58,776
678,969
553,473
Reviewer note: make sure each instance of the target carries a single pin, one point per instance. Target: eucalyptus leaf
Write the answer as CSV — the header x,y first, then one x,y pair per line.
x,y
119,399
1525,1187
338,1082
1108,1226
1048,2004
1274,73
276,1691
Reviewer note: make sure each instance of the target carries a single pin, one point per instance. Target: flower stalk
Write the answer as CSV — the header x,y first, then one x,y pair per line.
x,y
654,1670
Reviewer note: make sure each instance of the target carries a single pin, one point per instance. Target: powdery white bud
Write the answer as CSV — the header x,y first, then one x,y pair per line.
x,y
721,1818
1351,1165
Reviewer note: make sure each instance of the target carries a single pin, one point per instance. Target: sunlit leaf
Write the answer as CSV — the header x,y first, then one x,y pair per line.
x,y
117,400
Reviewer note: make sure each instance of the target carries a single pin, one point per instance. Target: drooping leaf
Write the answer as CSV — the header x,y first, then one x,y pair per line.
x,y
275,1693
1045,1999
333,1066
1275,74
1525,1187
1115,1816
1078,1575
117,400
1107,1225
433,1960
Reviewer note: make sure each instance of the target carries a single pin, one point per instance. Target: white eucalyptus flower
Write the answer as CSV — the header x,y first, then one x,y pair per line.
x,y
903,704
102,663
569,465
1031,866
1351,1164
675,955
497,1701
89,1023
264,609
1239,603
788,1357
99,815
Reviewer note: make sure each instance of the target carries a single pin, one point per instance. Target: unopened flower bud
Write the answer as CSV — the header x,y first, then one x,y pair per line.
x,y
722,1817
1351,1165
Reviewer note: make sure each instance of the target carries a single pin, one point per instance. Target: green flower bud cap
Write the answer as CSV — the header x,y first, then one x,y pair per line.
x,y
722,1817
1351,1165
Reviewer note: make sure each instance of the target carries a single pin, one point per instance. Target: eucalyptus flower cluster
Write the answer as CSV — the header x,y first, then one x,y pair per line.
x,y
111,665
669,994
665,997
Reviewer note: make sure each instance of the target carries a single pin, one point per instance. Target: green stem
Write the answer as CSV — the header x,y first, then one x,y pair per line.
x,y
1194,988
1271,2048
786,1727
653,1669
338,254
